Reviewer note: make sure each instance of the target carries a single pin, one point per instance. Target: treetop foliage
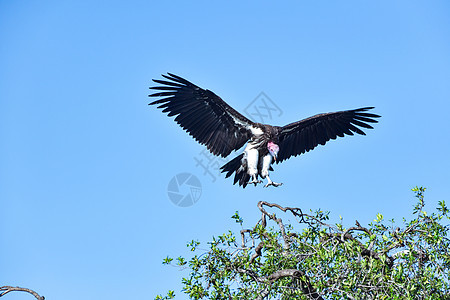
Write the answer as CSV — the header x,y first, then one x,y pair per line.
x,y
311,259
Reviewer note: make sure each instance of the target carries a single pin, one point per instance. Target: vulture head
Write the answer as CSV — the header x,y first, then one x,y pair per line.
x,y
273,149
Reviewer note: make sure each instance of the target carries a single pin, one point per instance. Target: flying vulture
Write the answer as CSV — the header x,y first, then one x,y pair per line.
x,y
215,124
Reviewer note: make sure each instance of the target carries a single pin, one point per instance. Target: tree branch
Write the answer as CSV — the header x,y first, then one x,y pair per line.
x,y
297,212
6,289
305,284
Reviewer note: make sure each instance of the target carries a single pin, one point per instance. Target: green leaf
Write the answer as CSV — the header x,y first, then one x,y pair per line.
x,y
167,260
237,218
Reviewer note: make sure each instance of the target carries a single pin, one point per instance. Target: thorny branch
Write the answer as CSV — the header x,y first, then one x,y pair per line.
x,y
7,289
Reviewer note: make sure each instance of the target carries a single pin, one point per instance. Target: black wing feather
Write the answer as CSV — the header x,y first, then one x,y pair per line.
x,y
302,136
203,114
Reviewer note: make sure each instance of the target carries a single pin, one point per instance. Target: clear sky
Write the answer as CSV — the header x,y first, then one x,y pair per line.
x,y
85,163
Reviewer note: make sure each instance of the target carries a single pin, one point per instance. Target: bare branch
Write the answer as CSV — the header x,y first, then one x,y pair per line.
x,y
6,289
243,232
297,212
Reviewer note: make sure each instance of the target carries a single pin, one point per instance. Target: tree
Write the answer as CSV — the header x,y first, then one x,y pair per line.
x,y
311,259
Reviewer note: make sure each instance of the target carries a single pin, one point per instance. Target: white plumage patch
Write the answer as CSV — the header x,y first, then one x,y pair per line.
x,y
255,130
251,155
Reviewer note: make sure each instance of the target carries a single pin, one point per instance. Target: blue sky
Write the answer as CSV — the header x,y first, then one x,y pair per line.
x,y
85,163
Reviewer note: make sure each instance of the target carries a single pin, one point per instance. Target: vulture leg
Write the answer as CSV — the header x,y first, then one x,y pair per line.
x,y
252,164
265,167
270,182
255,180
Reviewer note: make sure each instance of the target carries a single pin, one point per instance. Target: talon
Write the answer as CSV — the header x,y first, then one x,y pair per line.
x,y
255,182
275,184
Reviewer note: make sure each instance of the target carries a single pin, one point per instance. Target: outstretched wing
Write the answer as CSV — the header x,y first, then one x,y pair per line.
x,y
203,114
300,137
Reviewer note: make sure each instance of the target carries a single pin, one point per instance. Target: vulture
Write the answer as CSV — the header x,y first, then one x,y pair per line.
x,y
215,124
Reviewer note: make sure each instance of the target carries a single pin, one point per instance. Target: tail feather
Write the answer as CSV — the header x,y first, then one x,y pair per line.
x,y
240,167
